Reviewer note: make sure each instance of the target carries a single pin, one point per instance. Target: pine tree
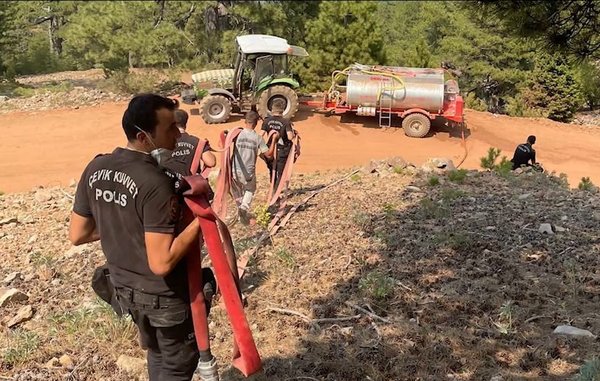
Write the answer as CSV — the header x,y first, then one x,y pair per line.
x,y
552,87
344,32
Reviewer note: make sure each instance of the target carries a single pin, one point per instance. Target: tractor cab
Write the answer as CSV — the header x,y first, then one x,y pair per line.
x,y
260,75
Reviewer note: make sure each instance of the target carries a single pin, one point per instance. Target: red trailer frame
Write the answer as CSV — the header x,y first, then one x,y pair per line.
x,y
452,110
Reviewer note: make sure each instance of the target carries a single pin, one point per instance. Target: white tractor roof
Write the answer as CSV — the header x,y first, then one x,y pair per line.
x,y
262,43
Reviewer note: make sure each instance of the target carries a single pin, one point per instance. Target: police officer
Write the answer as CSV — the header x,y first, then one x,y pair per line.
x,y
277,122
179,163
524,154
127,202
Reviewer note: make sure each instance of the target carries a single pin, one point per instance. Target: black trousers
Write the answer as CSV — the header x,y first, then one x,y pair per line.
x,y
166,332
270,167
279,162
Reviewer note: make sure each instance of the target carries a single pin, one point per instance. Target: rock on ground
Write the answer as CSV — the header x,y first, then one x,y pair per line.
x,y
25,313
573,331
10,295
133,366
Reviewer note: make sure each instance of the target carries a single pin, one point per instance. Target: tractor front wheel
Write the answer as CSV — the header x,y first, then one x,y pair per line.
x,y
215,109
288,95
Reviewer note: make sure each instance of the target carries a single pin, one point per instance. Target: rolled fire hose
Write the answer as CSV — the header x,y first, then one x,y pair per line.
x,y
224,180
218,241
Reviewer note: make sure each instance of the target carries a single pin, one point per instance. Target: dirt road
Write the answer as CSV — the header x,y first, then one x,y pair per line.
x,y
52,147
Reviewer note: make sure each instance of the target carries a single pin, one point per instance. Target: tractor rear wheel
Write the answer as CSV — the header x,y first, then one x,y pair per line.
x,y
215,109
287,94
416,125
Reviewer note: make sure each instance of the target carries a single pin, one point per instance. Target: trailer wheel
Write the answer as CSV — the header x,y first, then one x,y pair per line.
x,y
416,125
288,95
215,109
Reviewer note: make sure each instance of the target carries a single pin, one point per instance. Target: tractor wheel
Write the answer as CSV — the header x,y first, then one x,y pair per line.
x,y
265,102
215,109
416,125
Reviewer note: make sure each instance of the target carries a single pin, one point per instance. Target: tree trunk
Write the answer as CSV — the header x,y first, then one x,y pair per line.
x,y
55,41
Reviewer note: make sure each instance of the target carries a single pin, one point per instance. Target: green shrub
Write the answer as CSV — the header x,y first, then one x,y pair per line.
x,y
21,346
122,81
23,92
431,209
433,181
398,170
457,241
553,88
61,87
286,257
355,177
450,194
586,184
458,176
362,220
472,102
589,371
489,161
562,180
377,285
263,216
504,168
517,107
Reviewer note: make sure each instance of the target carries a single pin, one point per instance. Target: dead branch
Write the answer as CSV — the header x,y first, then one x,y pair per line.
x,y
331,320
378,340
349,262
403,285
303,202
250,253
42,19
371,314
68,195
71,375
290,312
537,317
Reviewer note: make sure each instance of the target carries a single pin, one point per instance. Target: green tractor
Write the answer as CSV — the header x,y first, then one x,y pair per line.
x,y
260,75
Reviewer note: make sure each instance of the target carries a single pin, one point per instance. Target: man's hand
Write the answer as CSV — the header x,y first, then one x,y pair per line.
x,y
164,251
209,159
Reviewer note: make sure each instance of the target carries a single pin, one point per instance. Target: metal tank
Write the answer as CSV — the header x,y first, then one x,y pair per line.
x,y
423,88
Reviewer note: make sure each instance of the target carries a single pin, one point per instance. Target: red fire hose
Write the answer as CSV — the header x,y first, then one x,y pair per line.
x,y
287,170
224,179
245,354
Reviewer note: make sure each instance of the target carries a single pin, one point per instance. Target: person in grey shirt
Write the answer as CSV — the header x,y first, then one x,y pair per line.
x,y
248,147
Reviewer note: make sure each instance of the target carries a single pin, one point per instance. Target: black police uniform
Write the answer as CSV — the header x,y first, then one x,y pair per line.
x,y
180,162
284,144
127,195
523,155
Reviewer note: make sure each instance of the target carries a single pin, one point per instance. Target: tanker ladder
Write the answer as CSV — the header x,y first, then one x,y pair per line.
x,y
386,97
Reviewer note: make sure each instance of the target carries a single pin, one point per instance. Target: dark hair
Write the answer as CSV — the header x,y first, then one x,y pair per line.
x,y
141,112
531,139
278,105
251,117
181,118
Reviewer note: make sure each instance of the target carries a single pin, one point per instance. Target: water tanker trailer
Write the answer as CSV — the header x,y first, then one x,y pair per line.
x,y
415,95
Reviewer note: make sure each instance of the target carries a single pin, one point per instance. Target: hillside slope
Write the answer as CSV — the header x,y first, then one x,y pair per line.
x,y
463,284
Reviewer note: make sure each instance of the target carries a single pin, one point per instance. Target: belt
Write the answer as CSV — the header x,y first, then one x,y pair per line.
x,y
155,301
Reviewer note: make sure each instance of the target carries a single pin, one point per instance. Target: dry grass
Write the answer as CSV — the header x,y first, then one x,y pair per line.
x,y
456,269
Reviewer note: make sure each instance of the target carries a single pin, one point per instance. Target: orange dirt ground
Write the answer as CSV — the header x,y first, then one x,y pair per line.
x,y
52,147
